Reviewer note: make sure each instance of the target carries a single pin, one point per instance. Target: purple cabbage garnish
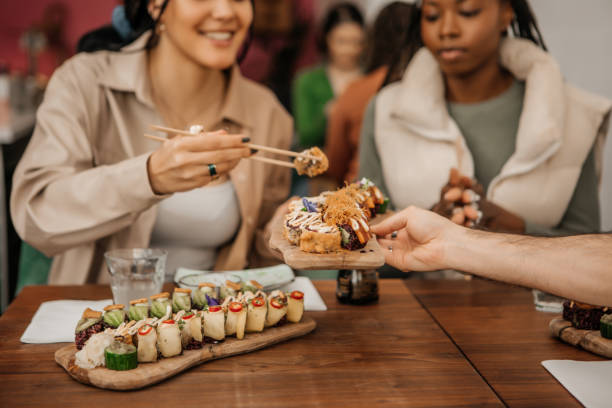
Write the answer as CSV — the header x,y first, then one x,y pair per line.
x,y
211,301
309,206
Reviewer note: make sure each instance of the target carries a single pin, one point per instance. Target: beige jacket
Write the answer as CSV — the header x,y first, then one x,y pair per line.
x,y
82,188
557,129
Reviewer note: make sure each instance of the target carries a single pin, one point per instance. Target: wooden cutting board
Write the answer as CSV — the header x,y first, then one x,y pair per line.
x,y
150,373
590,340
370,257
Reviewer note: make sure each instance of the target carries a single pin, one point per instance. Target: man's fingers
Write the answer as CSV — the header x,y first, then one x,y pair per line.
x,y
391,224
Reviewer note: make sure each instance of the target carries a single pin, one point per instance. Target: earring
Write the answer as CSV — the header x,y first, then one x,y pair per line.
x,y
161,28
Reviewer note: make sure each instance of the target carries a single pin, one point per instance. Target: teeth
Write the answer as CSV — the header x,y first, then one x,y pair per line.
x,y
219,35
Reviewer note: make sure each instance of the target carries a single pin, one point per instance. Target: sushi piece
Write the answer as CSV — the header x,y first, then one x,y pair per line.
x,y
90,324
311,167
214,323
277,308
169,338
256,313
582,315
295,306
191,331
147,344
114,315
605,326
139,309
181,300
159,304
230,289
120,356
235,322
251,286
205,292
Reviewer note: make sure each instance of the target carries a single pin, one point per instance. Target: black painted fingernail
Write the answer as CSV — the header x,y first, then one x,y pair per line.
x,y
253,151
246,139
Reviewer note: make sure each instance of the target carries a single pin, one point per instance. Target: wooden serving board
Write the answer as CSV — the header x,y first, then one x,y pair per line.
x,y
150,373
370,257
590,340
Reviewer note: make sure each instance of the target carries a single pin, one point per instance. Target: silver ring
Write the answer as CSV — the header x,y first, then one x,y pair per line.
x,y
212,170
390,248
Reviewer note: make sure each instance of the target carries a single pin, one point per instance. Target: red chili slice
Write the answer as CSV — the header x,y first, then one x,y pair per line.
x,y
235,307
144,330
297,295
258,302
169,321
275,304
189,316
214,308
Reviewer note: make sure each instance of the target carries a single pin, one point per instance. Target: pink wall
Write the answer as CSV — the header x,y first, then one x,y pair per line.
x,y
18,15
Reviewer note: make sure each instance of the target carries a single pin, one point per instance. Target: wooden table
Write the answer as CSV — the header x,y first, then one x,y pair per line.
x,y
393,353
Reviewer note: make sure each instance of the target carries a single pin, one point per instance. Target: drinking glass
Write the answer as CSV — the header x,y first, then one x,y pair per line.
x,y
135,273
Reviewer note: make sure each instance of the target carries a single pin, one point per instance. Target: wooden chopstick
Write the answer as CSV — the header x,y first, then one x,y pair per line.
x,y
250,145
256,158
273,161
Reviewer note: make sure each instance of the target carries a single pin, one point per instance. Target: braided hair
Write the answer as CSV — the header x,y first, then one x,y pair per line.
x,y
523,25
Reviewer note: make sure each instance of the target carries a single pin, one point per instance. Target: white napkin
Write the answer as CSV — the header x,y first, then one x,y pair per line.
x,y
55,321
588,381
312,299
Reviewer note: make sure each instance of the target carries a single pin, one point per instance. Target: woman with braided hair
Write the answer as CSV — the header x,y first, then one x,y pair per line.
x,y
475,89
89,181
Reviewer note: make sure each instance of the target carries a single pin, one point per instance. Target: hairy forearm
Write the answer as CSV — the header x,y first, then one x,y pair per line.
x,y
577,267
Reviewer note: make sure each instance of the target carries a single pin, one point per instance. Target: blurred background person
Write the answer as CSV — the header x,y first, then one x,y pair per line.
x,y
483,95
341,41
385,37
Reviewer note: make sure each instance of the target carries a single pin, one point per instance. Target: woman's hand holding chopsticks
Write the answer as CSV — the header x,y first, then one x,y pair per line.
x,y
183,163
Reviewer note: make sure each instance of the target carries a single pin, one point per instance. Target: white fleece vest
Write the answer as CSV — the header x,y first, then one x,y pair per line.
x,y
418,142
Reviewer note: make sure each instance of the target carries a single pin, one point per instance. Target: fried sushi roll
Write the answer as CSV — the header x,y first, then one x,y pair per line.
x,y
169,338
147,344
295,306
235,323
277,308
214,323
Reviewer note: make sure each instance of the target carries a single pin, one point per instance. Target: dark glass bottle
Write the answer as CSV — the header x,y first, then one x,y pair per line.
x,y
357,286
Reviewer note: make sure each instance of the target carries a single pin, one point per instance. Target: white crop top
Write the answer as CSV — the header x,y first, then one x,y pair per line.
x,y
192,225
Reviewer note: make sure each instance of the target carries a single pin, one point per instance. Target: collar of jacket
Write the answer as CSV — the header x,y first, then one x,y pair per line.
x,y
127,72
421,104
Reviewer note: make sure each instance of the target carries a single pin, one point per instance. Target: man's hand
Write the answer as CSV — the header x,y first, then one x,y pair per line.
x,y
416,239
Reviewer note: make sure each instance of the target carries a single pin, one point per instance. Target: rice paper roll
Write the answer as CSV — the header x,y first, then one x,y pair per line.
x,y
159,304
181,300
169,339
204,295
277,308
235,322
139,309
190,325
295,306
147,344
251,286
196,327
114,315
230,289
214,323
256,314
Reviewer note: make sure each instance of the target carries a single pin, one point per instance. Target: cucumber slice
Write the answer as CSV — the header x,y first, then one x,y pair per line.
x,y
605,326
120,356
383,207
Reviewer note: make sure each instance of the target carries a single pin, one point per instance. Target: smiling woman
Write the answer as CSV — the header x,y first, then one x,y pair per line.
x,y
162,62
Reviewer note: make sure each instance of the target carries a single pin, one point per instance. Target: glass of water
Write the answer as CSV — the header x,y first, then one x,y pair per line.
x,y
135,273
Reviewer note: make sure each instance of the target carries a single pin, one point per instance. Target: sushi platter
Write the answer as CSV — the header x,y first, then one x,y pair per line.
x,y
151,373
589,340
